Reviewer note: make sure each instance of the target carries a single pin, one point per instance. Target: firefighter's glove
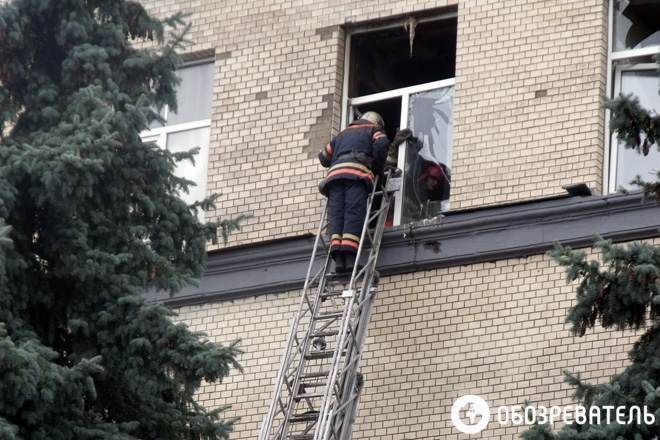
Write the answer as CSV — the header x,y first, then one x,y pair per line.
x,y
393,151
401,136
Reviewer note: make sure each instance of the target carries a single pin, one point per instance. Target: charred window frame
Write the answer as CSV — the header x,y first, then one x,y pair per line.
x,y
405,70
633,44
190,126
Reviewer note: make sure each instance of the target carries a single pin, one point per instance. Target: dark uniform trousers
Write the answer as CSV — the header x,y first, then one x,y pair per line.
x,y
347,204
352,158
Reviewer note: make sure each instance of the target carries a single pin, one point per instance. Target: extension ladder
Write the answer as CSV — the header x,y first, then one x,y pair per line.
x,y
318,384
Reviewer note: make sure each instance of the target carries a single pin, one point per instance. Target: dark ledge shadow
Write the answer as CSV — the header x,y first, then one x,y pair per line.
x,y
459,238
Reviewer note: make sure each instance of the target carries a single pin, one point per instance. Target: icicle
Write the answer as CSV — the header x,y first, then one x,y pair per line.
x,y
410,26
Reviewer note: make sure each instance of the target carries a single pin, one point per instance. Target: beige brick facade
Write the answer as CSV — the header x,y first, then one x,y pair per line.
x,y
530,80
278,84
528,118
493,329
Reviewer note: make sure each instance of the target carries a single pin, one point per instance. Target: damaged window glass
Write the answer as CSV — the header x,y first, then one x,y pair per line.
x,y
428,158
636,24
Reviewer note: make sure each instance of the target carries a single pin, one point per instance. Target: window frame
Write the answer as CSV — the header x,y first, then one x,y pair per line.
x,y
349,32
159,135
404,93
617,63
619,70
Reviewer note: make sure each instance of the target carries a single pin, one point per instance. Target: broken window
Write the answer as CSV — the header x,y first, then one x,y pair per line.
x,y
636,24
405,71
428,160
189,126
635,41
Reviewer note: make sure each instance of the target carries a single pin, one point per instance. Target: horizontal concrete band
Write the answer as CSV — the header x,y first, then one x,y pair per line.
x,y
459,238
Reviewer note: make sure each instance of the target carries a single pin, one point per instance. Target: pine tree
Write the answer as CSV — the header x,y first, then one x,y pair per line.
x,y
621,291
90,218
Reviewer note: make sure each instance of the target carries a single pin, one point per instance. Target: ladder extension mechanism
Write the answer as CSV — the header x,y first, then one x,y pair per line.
x,y
318,384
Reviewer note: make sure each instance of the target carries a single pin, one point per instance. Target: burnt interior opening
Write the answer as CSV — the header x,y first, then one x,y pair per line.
x,y
400,56
381,59
641,25
390,110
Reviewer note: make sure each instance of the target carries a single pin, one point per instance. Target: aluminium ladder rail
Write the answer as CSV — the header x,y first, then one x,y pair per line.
x,y
318,383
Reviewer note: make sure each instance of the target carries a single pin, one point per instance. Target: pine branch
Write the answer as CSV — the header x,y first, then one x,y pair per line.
x,y
651,190
620,293
96,219
636,127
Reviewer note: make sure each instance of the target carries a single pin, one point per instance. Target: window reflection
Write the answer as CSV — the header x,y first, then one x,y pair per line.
x,y
183,141
644,85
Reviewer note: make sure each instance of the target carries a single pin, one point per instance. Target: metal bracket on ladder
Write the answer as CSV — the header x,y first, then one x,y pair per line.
x,y
318,383
347,293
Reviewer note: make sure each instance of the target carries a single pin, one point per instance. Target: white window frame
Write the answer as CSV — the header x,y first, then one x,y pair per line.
x,y
617,63
614,152
403,93
158,135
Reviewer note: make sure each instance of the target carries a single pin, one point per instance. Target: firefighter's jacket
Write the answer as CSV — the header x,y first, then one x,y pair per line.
x,y
357,153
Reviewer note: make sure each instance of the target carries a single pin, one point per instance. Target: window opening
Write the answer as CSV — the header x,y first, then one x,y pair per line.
x,y
189,126
410,82
634,43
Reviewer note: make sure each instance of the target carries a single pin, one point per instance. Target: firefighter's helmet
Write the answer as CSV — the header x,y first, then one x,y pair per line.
x,y
374,118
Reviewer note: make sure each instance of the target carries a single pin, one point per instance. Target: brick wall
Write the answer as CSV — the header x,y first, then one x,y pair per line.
x,y
529,109
530,75
494,329
278,75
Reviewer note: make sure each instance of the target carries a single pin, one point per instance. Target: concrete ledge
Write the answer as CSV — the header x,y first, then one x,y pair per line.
x,y
459,238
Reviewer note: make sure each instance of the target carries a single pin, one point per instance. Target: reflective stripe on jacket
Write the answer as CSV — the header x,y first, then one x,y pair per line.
x,y
358,152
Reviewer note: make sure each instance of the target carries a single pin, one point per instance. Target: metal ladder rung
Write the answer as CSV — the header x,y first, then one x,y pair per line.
x,y
301,437
328,316
312,384
308,396
315,375
331,294
326,333
305,417
325,354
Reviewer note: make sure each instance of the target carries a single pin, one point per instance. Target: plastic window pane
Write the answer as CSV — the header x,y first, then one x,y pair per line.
x,y
184,141
428,162
194,94
644,84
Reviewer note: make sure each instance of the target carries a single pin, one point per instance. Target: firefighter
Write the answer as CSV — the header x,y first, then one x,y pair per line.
x,y
354,157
